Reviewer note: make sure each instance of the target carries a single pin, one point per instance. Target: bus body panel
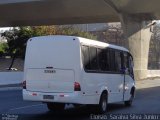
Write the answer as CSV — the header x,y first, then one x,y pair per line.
x,y
128,86
93,82
51,81
51,68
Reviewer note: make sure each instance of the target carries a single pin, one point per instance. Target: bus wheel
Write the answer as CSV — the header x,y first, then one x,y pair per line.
x,y
102,107
129,102
55,106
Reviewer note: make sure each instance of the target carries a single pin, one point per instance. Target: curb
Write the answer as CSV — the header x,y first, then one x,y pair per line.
x,y
11,87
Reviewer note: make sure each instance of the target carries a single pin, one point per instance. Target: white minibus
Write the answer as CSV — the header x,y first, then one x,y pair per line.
x,y
61,70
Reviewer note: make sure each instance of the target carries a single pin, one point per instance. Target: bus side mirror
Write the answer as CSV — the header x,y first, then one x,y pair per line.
x,y
123,70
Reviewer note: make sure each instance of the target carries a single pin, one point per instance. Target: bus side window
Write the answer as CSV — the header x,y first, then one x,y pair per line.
x,y
85,55
118,60
131,65
107,60
93,58
112,60
126,61
102,59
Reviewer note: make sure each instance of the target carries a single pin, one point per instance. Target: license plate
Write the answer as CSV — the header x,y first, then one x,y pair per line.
x,y
48,97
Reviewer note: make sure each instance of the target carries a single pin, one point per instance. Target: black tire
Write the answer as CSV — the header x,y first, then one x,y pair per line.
x,y
129,102
55,106
102,107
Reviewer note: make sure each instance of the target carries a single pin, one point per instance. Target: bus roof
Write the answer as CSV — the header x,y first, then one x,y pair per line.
x,y
100,44
86,41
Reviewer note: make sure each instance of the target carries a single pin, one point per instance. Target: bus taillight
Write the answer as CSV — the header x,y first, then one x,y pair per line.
x,y
77,86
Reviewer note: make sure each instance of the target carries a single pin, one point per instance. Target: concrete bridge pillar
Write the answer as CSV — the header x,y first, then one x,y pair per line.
x,y
138,33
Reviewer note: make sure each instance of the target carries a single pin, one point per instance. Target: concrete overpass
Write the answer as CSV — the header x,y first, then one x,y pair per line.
x,y
37,12
131,13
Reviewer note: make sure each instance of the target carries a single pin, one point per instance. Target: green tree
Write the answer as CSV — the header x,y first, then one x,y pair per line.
x,y
3,46
17,37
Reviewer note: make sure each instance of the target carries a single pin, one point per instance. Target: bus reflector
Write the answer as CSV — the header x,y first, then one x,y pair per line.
x,y
61,95
77,86
34,94
24,84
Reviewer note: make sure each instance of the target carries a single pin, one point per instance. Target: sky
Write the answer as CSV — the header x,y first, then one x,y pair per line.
x,y
4,28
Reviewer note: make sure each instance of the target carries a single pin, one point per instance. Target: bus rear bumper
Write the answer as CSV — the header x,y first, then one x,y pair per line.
x,y
75,97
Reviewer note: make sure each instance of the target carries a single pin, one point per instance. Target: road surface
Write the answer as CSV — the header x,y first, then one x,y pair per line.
x,y
147,101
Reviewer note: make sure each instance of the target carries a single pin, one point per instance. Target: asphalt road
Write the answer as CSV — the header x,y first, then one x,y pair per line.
x,y
11,103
